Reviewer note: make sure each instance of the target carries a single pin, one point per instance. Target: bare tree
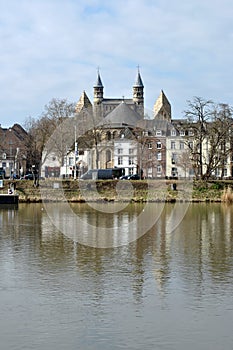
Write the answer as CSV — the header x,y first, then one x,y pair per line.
x,y
40,130
185,162
210,143
219,139
198,115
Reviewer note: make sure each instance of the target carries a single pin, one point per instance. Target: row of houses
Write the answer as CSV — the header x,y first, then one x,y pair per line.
x,y
121,135
116,132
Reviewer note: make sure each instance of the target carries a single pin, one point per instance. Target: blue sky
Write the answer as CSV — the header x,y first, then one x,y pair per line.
x,y
52,48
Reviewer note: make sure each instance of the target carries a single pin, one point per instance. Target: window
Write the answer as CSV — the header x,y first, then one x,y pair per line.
x,y
108,156
173,132
130,171
159,169
225,172
159,145
190,132
173,145
174,172
130,160
150,172
71,161
191,172
150,145
181,145
191,145
174,158
120,160
131,151
119,150
182,133
159,156
158,132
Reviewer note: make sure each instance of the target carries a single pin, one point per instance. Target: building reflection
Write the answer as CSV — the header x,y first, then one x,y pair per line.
x,y
199,248
198,251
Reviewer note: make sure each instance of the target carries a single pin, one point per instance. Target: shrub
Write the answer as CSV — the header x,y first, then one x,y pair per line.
x,y
227,195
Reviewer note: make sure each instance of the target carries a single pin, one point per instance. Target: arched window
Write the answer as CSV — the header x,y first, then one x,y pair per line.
x,y
108,155
108,135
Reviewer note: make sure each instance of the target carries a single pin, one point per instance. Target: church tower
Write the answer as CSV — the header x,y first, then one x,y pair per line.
x,y
83,104
162,108
98,90
138,97
98,98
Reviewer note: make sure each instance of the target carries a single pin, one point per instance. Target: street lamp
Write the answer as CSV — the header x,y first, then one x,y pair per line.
x,y
75,153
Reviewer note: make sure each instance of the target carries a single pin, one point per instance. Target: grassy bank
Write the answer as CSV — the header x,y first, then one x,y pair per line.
x,y
113,190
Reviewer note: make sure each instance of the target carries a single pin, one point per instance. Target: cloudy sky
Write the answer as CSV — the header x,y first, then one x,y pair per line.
x,y
52,48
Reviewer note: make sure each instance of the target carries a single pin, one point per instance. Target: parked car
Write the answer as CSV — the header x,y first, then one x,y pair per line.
x,y
134,177
124,177
27,177
103,174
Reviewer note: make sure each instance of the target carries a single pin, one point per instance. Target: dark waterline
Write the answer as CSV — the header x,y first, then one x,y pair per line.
x,y
166,290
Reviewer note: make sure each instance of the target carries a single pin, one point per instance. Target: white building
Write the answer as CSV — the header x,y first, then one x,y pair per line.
x,y
126,155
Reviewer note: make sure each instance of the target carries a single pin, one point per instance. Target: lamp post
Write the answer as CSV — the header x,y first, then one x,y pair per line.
x,y
75,153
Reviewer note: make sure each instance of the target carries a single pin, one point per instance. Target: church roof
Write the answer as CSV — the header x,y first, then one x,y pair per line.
x,y
155,124
122,114
138,82
98,82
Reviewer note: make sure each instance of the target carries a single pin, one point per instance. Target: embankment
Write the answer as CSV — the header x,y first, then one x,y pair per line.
x,y
114,190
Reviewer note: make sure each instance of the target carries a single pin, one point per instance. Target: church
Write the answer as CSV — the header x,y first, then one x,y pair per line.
x,y
125,137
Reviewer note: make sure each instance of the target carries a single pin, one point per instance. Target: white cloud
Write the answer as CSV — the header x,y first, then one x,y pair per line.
x,y
52,49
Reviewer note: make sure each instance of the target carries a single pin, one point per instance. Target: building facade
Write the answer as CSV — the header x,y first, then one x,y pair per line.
x,y
13,150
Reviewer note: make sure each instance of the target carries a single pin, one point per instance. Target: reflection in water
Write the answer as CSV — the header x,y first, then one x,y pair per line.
x,y
126,297
104,229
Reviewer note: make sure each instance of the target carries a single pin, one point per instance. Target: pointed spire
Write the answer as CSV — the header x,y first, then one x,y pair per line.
x,y
163,98
138,82
98,82
83,103
162,107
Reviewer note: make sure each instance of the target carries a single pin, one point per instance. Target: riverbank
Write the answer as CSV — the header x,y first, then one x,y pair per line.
x,y
113,190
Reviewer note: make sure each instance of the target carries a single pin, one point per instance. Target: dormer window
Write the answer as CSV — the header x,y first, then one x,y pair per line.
x,y
190,132
173,132
158,133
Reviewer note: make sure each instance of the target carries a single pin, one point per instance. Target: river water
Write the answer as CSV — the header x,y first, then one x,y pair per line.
x,y
165,290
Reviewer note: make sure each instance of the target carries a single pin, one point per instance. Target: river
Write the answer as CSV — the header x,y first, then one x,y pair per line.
x,y
160,289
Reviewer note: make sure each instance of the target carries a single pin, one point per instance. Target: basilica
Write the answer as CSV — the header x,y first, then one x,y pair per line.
x,y
119,134
126,137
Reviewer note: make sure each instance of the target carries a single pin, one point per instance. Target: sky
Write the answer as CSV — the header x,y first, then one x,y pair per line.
x,y
53,48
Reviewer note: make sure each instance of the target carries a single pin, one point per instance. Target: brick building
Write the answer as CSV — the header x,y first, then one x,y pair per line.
x,y
13,150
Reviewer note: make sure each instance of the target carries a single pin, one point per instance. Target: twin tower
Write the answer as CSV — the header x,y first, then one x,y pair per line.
x,y
103,106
